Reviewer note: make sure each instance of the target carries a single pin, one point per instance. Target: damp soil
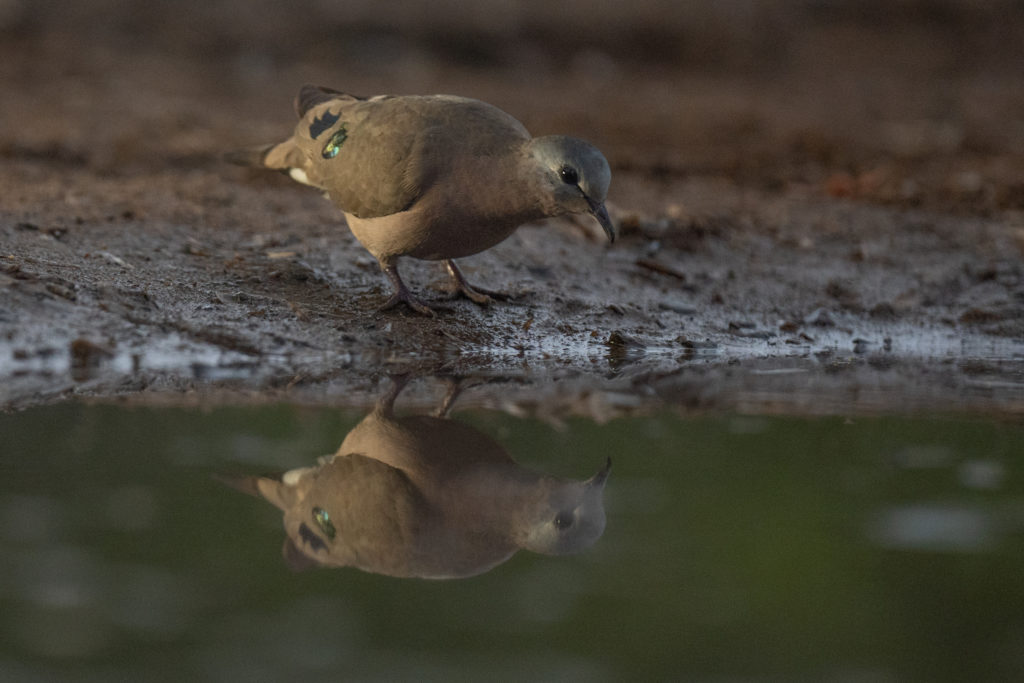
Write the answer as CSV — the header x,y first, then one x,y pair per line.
x,y
790,240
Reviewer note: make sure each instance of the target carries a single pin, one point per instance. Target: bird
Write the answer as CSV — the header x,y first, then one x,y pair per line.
x,y
425,496
433,177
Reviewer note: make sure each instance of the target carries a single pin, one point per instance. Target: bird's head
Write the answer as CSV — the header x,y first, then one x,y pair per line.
x,y
570,518
575,178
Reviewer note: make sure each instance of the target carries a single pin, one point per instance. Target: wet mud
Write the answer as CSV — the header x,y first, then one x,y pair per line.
x,y
837,227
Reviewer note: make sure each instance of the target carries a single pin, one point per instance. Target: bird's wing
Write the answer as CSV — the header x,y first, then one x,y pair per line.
x,y
374,509
311,95
377,156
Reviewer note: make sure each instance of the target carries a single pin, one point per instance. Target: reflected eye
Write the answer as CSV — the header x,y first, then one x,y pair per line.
x,y
569,175
564,520
323,520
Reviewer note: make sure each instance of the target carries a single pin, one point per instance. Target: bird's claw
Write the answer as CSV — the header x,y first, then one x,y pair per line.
x,y
479,296
405,297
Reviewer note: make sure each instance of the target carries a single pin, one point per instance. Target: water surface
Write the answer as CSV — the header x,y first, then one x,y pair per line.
x,y
736,548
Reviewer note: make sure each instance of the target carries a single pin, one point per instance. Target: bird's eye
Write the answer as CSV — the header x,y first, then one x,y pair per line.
x,y
564,520
569,175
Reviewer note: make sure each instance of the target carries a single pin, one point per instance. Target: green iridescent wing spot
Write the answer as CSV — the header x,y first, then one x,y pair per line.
x,y
323,520
334,143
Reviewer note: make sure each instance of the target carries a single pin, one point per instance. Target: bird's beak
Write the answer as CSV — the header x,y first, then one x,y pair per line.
x,y
599,479
598,211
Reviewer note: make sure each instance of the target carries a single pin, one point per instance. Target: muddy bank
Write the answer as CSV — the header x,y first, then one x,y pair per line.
x,y
789,243
709,314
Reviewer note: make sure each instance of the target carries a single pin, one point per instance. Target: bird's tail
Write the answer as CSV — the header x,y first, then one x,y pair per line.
x,y
245,483
269,487
253,157
285,157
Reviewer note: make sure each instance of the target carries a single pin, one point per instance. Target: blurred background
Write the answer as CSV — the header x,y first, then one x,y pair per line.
x,y
915,102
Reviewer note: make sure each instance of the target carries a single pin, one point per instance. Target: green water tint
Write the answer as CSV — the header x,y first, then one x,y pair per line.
x,y
736,547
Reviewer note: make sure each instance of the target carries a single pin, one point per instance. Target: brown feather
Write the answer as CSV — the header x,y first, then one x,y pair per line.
x,y
311,95
252,157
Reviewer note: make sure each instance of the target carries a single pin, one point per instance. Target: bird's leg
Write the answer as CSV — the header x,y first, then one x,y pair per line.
x,y
386,403
454,385
460,286
402,293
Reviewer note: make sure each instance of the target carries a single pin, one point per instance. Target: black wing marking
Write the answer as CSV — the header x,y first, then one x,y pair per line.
x,y
310,538
322,123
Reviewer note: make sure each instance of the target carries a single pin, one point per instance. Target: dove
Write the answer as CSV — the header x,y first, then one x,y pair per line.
x,y
425,496
435,177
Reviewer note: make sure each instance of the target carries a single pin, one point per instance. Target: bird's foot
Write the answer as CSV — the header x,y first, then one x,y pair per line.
x,y
475,294
404,296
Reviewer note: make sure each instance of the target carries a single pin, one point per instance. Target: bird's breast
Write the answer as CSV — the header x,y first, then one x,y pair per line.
x,y
437,230
459,236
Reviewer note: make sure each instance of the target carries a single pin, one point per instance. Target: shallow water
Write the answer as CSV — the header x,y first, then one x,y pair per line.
x,y
736,548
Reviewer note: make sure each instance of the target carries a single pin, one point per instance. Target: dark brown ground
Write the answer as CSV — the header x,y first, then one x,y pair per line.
x,y
821,208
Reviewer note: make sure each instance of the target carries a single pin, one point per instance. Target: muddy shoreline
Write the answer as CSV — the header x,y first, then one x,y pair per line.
x,y
784,248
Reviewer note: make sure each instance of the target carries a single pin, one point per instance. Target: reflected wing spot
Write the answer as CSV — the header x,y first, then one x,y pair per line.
x,y
307,536
323,520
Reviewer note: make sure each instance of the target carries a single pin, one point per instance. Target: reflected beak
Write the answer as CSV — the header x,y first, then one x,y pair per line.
x,y
599,479
598,211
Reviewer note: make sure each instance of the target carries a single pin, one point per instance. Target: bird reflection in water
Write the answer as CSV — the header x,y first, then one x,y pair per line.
x,y
426,496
